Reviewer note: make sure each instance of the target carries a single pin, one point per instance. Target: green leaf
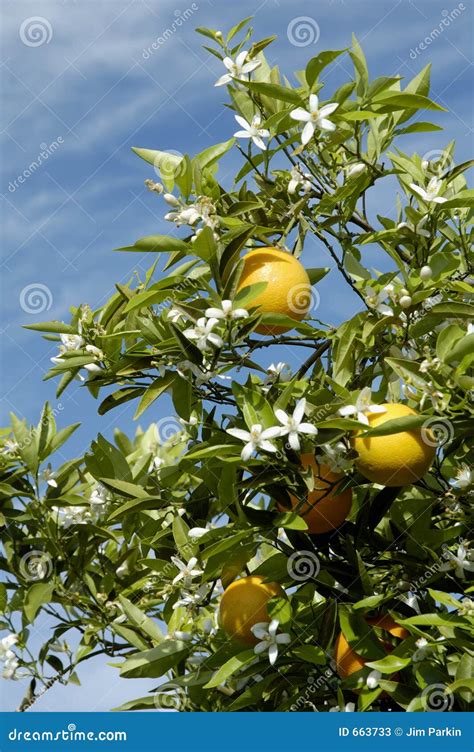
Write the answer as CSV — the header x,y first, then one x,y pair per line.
x,y
463,347
106,461
397,425
389,101
360,65
133,506
235,29
316,274
119,398
456,310
290,521
356,115
360,636
157,244
141,703
159,385
36,596
280,609
310,654
274,91
318,63
27,443
180,535
458,170
141,620
168,164
212,154
156,662
126,489
230,667
390,664
418,128
463,200
205,246
55,327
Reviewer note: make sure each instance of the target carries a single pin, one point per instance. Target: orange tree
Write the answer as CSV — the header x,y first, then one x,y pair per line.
x,y
295,538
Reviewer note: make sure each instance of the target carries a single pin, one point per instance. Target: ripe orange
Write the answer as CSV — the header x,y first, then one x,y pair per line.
x,y
348,661
244,603
325,508
398,459
288,289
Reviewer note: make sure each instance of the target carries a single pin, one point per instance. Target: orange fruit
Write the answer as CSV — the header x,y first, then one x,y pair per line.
x,y
244,603
325,508
288,289
348,661
398,459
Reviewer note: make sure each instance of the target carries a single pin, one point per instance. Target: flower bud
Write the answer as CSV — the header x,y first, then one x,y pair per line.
x,y
405,301
170,199
426,272
355,169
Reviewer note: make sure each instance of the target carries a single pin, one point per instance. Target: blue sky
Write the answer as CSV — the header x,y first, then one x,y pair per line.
x,y
89,91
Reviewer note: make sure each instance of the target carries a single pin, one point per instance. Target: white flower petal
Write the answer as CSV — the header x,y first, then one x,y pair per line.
x,y
258,142
298,412
247,451
239,433
267,447
307,428
282,416
300,114
307,133
326,125
242,122
294,441
272,653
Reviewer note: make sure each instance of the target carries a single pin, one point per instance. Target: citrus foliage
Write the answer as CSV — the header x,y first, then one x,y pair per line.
x,y
131,545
